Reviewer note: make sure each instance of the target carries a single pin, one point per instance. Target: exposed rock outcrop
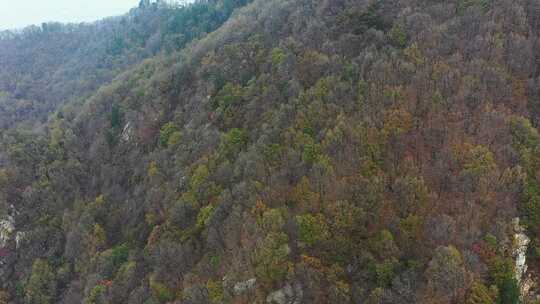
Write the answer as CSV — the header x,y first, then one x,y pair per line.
x,y
127,132
289,294
7,227
521,243
527,281
241,288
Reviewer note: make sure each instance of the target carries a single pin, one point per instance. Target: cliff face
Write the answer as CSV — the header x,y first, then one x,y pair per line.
x,y
344,151
6,230
520,248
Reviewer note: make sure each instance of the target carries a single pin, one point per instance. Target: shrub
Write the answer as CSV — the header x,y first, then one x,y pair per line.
x,y
41,286
312,229
228,96
463,5
446,274
95,294
169,135
501,271
110,260
480,161
174,139
480,294
215,291
272,220
153,169
509,291
398,36
119,254
215,261
271,258
278,56
414,54
203,218
233,142
98,239
161,292
385,272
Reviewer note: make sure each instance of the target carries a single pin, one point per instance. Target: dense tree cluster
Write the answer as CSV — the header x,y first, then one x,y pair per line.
x,y
343,151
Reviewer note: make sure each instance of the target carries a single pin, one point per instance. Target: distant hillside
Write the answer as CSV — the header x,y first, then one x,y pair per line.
x,y
46,66
277,151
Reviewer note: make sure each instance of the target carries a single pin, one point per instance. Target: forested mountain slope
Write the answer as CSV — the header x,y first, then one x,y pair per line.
x,y
306,151
53,64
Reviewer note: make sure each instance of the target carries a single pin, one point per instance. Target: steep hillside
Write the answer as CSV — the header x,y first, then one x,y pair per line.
x,y
306,151
46,66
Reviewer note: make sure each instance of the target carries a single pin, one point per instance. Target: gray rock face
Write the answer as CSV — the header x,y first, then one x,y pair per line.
x,y
521,243
287,295
241,288
7,233
127,132
527,281
20,237
7,227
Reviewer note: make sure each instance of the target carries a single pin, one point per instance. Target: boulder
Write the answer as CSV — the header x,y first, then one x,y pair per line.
x,y
241,288
289,294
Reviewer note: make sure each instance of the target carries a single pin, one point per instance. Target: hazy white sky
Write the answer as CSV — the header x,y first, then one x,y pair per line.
x,y
19,13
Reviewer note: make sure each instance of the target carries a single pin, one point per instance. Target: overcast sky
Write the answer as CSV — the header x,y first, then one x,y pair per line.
x,y
20,13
